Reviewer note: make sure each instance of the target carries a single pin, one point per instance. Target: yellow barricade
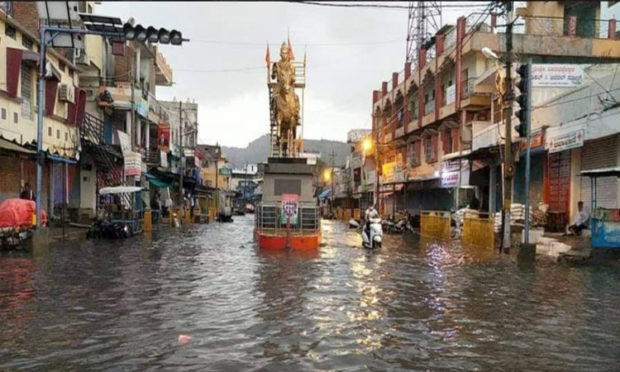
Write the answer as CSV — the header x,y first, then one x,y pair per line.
x,y
478,230
346,215
435,224
357,214
148,222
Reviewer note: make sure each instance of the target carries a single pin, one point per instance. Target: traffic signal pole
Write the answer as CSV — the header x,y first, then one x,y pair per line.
x,y
508,161
528,123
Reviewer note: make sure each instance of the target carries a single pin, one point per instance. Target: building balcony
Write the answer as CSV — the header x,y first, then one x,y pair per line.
x,y
399,132
163,72
552,46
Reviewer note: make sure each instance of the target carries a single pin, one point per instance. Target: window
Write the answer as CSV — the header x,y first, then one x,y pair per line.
x,y
3,114
49,131
61,66
66,136
412,151
26,42
58,133
10,31
26,91
15,117
447,142
286,186
428,149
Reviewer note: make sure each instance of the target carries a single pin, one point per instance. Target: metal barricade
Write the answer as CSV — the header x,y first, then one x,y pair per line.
x,y
435,224
268,217
478,229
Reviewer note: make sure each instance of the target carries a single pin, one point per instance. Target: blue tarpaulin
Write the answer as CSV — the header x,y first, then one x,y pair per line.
x,y
60,159
324,194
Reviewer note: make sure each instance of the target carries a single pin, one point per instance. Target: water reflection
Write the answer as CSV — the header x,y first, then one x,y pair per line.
x,y
414,304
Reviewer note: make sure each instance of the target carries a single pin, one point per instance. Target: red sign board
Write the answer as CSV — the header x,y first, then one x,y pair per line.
x,y
163,137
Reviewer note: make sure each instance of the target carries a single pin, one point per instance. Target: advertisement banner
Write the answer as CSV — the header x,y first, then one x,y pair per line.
x,y
133,164
557,75
163,137
290,204
163,159
560,139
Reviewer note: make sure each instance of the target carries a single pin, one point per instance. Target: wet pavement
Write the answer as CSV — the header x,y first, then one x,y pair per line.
x,y
415,304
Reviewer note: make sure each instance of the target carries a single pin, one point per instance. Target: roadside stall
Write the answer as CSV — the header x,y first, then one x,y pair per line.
x,y
604,222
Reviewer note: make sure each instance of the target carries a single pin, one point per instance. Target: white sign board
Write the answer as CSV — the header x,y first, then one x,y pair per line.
x,y
123,139
133,164
560,139
450,94
557,75
163,159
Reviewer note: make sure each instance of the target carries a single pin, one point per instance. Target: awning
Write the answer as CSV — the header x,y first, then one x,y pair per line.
x,y
601,172
61,159
204,189
119,190
155,181
10,146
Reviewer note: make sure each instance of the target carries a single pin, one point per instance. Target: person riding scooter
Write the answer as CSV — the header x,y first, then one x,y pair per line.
x,y
371,212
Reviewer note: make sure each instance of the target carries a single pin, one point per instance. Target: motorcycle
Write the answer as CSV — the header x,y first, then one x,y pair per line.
x,y
372,236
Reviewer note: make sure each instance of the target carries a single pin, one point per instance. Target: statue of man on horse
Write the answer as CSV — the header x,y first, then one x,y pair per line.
x,y
285,100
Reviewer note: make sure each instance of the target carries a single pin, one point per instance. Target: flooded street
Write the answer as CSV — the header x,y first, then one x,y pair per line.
x,y
122,305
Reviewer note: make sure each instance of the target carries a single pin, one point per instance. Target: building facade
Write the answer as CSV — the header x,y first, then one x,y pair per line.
x,y
438,126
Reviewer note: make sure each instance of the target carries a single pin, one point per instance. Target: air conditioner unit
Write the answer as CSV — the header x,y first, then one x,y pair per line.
x,y
66,93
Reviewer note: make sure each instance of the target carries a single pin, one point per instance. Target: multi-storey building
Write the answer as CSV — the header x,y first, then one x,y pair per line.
x,y
63,110
439,126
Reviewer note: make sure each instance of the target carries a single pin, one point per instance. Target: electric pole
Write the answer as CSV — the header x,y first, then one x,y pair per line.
x,y
508,161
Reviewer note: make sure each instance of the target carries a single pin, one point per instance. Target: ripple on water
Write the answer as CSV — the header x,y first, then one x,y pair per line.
x,y
415,304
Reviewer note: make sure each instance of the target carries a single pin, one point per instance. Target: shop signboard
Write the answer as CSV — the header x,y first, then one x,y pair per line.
x,y
560,139
557,75
133,163
290,204
454,173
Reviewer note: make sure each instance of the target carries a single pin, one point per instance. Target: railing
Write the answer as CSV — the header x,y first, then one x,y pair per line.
x,y
468,87
268,217
583,27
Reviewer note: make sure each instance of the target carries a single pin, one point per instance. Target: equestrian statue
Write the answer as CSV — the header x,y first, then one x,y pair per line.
x,y
285,101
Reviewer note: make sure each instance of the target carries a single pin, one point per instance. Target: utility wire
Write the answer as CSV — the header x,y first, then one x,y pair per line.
x,y
381,6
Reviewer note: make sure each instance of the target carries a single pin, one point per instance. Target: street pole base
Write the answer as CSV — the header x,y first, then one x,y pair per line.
x,y
40,240
526,255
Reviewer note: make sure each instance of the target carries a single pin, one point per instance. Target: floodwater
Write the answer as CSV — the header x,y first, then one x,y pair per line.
x,y
413,305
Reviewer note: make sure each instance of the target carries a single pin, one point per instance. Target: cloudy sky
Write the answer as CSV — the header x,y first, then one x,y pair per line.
x,y
349,52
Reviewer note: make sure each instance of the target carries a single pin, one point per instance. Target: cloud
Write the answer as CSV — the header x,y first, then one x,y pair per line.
x,y
233,107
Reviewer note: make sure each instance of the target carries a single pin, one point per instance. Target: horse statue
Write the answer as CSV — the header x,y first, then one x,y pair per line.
x,y
285,100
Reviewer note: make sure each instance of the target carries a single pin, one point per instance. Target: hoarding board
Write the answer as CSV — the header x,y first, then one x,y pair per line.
x,y
557,75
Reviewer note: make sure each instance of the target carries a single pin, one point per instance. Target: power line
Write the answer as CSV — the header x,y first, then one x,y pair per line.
x,y
460,6
320,44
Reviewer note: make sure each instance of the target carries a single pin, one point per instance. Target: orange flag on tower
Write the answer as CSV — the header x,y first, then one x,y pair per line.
x,y
290,49
267,57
